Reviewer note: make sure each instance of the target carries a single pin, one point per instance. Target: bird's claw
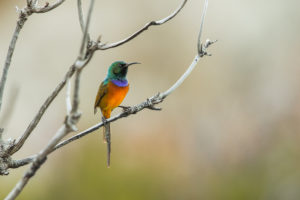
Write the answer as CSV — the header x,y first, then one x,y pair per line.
x,y
104,120
125,108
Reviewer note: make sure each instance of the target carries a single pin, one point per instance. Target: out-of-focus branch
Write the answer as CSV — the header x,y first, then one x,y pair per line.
x,y
100,46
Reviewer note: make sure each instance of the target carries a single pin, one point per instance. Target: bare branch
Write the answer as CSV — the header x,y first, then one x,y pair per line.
x,y
82,57
201,25
100,46
22,162
85,32
68,97
80,14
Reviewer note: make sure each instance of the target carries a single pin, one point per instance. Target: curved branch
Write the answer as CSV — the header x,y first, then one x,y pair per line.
x,y
100,46
80,15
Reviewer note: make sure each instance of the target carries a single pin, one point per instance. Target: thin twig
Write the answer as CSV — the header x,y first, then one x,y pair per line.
x,y
85,32
201,25
100,46
81,21
80,14
82,57
68,97
22,162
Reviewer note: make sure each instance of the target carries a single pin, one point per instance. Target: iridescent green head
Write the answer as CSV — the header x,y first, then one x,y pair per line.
x,y
118,70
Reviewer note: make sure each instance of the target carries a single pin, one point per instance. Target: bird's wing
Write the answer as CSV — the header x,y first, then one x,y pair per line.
x,y
100,94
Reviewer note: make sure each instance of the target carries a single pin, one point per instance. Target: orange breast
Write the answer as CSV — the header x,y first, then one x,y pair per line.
x,y
113,98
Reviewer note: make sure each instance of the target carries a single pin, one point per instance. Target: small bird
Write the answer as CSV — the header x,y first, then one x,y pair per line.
x,y
110,95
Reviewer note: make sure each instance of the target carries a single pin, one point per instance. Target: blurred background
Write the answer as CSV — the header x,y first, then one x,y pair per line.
x,y
231,131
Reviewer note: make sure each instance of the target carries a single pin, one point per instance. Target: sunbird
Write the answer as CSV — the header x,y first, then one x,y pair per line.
x,y
110,95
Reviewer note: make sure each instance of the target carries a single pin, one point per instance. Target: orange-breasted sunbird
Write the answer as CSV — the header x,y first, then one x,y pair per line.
x,y
110,95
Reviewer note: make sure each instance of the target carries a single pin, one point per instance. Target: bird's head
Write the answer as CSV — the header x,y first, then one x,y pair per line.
x,y
118,69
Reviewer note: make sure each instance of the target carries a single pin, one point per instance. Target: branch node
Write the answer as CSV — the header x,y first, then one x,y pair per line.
x,y
79,63
203,47
152,101
4,166
5,159
71,121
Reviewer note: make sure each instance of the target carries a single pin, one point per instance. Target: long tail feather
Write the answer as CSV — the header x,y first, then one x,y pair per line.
x,y
107,138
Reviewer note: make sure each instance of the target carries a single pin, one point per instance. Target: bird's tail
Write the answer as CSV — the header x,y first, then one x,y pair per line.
x,y
106,138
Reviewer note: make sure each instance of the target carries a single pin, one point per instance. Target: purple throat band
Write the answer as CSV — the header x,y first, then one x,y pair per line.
x,y
120,83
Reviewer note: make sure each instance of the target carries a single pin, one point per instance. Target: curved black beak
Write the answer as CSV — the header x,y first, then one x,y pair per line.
x,y
133,63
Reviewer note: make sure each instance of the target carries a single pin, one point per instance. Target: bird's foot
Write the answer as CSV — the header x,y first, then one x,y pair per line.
x,y
125,108
104,120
